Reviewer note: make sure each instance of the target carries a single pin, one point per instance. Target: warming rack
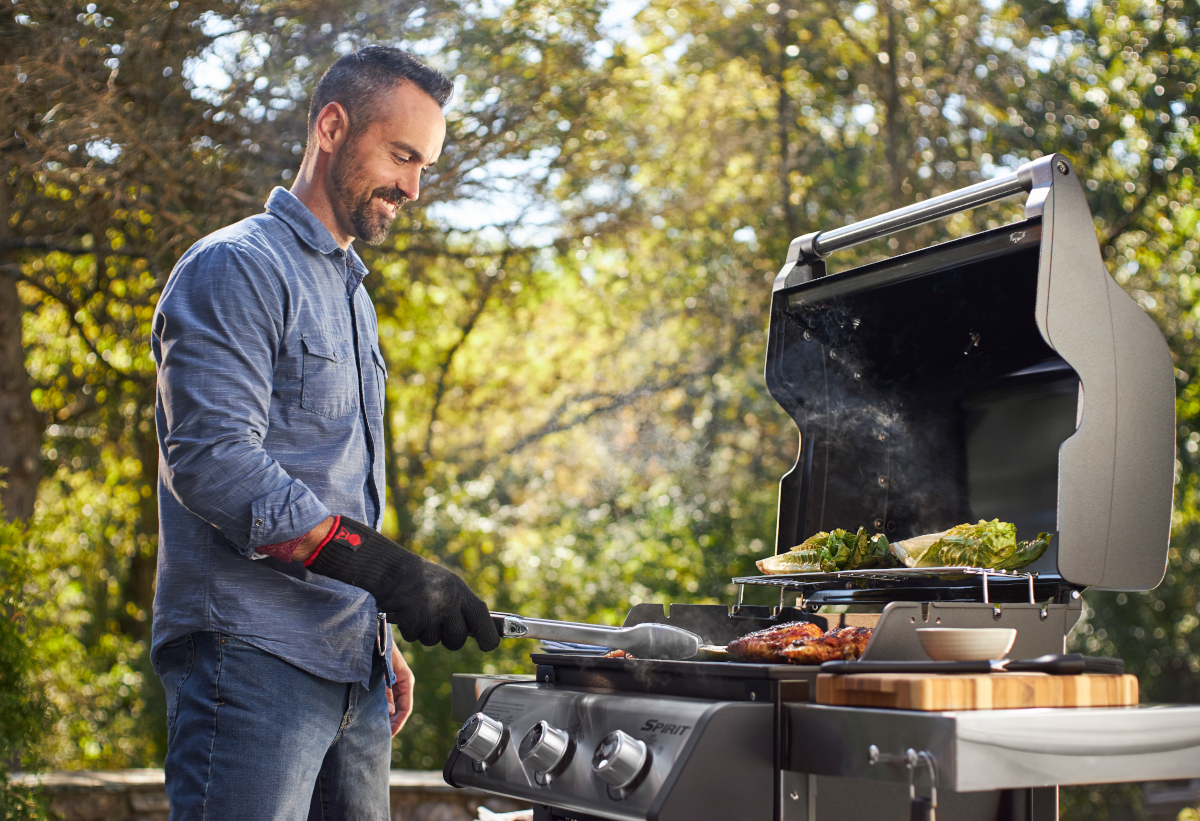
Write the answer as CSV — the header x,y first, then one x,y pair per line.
x,y
978,584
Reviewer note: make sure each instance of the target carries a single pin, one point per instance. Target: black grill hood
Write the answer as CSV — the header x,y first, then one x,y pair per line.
x,y
1002,375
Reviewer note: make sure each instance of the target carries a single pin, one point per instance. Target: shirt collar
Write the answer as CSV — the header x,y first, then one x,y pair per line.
x,y
310,230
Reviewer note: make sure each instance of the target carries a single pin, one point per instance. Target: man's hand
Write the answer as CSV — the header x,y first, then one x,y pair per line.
x,y
425,600
400,694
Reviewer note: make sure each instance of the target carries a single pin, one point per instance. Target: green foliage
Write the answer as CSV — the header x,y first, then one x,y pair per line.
x,y
1115,802
21,707
93,673
1158,635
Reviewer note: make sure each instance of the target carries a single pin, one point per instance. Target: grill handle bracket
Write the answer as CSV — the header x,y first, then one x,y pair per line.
x,y
922,808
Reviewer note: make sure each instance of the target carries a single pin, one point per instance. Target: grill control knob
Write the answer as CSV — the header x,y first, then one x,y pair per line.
x,y
481,739
620,759
545,748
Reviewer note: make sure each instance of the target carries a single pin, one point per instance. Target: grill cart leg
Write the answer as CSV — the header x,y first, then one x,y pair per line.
x,y
1037,804
798,796
1043,804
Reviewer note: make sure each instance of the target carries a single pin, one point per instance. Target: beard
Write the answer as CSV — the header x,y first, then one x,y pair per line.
x,y
369,221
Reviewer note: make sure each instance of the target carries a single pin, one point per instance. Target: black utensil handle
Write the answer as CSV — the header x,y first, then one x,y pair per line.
x,y
1058,665
922,809
1068,664
860,667
1104,666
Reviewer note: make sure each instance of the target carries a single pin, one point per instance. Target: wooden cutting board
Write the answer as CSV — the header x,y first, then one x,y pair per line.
x,y
994,691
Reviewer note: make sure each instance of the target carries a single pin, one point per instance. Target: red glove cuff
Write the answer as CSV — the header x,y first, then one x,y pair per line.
x,y
337,520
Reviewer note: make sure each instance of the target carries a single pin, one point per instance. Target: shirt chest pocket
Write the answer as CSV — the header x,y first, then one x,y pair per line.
x,y
330,382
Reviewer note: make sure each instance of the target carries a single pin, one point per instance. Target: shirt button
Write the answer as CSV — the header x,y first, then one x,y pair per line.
x,y
258,522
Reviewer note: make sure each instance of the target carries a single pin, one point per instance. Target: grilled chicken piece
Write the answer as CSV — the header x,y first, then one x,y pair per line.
x,y
843,644
766,645
618,654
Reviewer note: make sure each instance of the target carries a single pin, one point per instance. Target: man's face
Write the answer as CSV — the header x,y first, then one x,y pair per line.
x,y
379,168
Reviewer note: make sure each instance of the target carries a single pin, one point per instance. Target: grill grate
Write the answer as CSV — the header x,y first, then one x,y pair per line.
x,y
986,585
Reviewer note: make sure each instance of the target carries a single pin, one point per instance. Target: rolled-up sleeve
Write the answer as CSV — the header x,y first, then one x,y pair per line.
x,y
216,337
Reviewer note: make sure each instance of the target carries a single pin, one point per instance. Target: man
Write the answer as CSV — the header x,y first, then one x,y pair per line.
x,y
269,631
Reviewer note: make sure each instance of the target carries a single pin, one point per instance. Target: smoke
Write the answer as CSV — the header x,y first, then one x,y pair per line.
x,y
885,448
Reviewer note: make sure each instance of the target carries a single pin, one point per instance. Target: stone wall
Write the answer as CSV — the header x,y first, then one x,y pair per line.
x,y
138,795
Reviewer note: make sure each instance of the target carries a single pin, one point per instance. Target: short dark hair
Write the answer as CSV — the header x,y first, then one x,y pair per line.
x,y
357,79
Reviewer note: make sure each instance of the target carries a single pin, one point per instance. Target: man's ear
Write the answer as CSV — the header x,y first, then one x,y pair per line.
x,y
333,125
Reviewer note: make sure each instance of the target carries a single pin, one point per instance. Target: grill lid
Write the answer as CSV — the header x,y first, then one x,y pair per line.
x,y
1003,375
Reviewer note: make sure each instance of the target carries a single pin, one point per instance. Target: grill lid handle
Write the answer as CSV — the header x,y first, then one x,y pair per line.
x,y
820,244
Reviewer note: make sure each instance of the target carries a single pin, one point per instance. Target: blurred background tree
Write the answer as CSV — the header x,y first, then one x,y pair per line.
x,y
22,712
574,314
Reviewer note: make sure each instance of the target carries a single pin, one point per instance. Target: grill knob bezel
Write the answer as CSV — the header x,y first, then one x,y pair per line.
x,y
545,749
621,760
481,739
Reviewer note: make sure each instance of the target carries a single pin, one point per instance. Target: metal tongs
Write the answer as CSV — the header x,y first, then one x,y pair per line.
x,y
648,641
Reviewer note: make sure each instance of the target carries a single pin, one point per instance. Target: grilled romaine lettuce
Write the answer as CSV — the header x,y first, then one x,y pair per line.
x,y
986,544
829,551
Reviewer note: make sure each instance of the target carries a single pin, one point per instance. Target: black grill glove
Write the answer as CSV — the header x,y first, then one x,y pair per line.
x,y
427,602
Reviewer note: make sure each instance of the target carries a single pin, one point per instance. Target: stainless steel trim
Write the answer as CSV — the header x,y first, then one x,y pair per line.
x,y
821,244
1086,741
1116,472
481,739
1002,749
545,749
651,641
620,759
895,635
886,573
798,580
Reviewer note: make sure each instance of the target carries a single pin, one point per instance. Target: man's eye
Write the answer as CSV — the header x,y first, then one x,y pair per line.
x,y
398,158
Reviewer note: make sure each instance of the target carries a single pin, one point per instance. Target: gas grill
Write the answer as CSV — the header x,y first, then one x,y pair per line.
x,y
1001,375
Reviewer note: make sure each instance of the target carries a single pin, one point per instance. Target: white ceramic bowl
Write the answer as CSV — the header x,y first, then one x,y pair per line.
x,y
966,643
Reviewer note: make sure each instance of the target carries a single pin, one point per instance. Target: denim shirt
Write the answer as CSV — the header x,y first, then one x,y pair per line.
x,y
270,418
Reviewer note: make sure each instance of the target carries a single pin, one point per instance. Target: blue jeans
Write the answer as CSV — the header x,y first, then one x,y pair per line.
x,y
252,738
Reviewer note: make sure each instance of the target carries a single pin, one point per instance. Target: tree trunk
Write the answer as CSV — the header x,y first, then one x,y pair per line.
x,y
139,582
894,122
21,425
786,121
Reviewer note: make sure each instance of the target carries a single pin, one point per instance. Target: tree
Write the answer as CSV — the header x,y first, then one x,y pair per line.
x,y
20,709
124,152
1130,77
113,167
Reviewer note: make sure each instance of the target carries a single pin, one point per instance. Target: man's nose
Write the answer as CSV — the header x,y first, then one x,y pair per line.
x,y
410,183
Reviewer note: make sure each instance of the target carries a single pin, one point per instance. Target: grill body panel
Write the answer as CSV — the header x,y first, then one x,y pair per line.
x,y
698,748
